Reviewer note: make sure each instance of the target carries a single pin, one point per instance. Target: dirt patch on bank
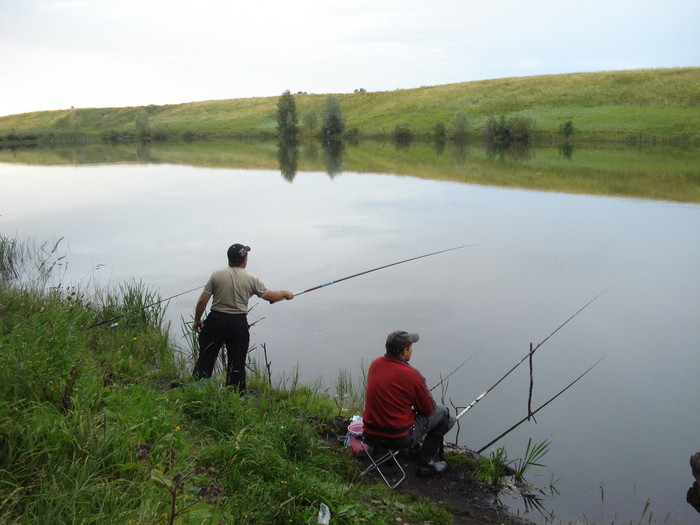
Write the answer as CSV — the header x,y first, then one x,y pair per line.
x,y
470,501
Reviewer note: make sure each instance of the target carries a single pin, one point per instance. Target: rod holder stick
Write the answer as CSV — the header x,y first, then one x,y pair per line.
x,y
540,408
532,351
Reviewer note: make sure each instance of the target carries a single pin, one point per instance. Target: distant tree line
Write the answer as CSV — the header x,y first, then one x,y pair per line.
x,y
332,128
502,131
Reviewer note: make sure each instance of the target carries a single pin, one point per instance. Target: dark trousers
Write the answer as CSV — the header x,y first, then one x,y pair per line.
x,y
433,426
229,329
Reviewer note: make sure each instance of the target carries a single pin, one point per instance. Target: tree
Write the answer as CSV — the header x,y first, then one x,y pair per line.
x,y
287,120
143,128
458,127
439,131
567,129
333,124
309,122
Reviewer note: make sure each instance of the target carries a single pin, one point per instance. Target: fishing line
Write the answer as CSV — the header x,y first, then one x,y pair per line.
x,y
460,366
480,397
139,309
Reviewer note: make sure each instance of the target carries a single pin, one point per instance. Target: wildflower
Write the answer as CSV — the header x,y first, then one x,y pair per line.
x,y
177,428
143,449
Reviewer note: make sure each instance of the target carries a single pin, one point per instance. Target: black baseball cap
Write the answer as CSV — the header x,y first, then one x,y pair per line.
x,y
237,252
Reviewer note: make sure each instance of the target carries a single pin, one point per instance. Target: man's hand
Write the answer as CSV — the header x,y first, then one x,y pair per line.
x,y
197,326
272,296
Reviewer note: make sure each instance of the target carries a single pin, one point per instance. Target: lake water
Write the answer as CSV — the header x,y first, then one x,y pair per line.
x,y
627,429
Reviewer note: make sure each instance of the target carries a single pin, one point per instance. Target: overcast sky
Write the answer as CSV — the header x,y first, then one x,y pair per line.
x,y
55,54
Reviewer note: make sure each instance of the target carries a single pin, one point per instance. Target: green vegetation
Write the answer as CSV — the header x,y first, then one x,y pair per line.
x,y
333,123
92,432
458,128
287,119
504,132
491,470
655,105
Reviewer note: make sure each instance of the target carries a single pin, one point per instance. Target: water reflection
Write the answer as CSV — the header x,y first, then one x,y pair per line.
x,y
459,152
566,150
515,151
288,155
333,152
660,172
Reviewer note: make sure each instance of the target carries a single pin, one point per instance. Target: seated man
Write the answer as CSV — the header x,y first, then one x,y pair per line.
x,y
399,408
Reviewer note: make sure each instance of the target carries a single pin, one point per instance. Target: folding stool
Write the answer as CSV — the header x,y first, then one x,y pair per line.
x,y
375,464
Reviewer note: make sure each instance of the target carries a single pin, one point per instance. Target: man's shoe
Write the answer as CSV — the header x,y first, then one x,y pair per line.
x,y
431,468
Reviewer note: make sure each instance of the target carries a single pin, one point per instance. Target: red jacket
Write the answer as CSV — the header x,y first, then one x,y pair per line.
x,y
395,393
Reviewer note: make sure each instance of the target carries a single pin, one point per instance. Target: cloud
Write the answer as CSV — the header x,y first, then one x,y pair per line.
x,y
137,52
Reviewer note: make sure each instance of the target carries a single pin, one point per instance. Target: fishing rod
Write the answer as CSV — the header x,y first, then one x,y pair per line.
x,y
526,418
382,267
300,293
460,366
111,319
532,351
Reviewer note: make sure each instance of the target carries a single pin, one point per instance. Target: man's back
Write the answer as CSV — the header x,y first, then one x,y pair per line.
x,y
395,390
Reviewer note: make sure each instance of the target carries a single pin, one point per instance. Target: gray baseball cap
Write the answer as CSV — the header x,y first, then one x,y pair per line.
x,y
400,339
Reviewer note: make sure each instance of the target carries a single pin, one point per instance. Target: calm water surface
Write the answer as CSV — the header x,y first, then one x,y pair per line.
x,y
629,426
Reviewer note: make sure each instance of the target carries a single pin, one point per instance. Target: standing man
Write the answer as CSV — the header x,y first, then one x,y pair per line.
x,y
227,322
399,408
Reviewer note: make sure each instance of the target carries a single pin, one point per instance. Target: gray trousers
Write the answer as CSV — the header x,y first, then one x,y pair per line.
x,y
433,426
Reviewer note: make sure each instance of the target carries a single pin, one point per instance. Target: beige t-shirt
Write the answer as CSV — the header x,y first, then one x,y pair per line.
x,y
232,287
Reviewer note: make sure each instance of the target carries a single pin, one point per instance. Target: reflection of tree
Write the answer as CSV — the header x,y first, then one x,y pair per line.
x,y
143,152
566,150
459,153
310,151
333,157
288,156
440,146
510,152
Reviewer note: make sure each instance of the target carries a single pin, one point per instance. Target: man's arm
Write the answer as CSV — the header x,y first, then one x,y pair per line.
x,y
199,311
277,295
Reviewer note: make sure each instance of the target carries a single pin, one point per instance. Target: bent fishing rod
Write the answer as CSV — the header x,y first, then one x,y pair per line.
x,y
111,319
381,268
532,351
526,418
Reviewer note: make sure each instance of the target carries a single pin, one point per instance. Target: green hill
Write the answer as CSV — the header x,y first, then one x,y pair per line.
x,y
641,105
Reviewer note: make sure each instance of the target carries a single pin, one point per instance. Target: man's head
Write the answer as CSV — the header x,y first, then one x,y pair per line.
x,y
398,341
236,254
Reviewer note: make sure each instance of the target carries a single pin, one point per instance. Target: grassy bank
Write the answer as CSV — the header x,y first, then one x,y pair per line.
x,y
639,105
92,432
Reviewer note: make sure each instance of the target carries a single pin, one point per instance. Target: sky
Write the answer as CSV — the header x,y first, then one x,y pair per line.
x,y
57,54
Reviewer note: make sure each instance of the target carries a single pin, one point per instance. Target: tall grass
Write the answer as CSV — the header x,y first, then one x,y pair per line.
x,y
89,434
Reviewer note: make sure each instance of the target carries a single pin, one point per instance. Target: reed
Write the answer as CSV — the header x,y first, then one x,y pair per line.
x,y
533,454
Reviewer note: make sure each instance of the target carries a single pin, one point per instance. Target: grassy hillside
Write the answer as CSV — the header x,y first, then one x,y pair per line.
x,y
648,105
